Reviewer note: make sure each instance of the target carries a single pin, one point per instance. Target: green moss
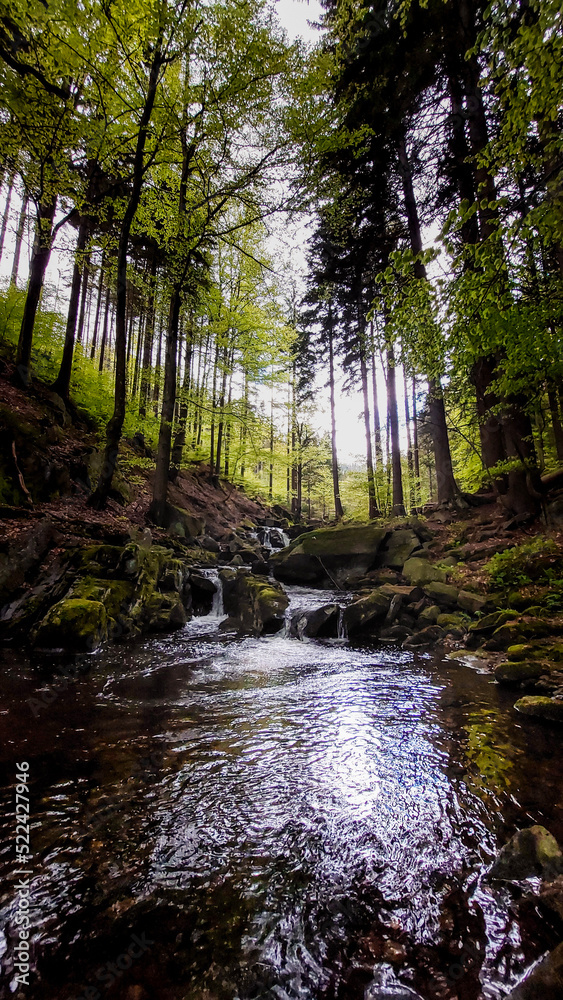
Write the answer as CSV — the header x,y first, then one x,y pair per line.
x,y
74,624
515,672
342,541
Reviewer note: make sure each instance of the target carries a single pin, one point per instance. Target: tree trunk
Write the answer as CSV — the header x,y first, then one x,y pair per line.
x,y
524,493
99,296
6,215
338,511
160,488
373,511
61,385
448,490
115,424
556,423
398,507
410,462
84,295
104,331
148,340
38,266
18,243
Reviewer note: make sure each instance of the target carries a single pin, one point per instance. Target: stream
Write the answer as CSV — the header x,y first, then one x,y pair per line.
x,y
221,817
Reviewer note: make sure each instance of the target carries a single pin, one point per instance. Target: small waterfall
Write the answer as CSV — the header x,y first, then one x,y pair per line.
x,y
217,608
341,630
273,539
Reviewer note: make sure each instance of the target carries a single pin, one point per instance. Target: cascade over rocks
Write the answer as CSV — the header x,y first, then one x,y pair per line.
x,y
254,604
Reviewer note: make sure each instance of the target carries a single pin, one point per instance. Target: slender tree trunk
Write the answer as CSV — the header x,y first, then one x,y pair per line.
x,y
416,452
212,436
6,215
148,340
84,290
410,462
99,297
338,511
373,511
104,331
18,243
160,488
271,477
556,423
39,261
115,425
376,415
61,384
398,508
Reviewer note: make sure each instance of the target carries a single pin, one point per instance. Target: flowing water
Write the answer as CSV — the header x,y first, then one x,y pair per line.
x,y
269,818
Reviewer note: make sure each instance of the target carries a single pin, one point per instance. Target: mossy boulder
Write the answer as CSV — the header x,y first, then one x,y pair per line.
x,y
541,707
258,605
398,546
419,572
449,621
522,651
488,624
429,616
533,851
163,613
514,672
472,603
176,520
321,622
509,634
442,594
366,612
343,554
73,624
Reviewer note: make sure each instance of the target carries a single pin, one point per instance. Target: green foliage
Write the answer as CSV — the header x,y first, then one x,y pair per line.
x,y
523,564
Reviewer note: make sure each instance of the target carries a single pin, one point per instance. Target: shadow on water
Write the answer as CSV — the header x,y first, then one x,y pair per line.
x,y
269,818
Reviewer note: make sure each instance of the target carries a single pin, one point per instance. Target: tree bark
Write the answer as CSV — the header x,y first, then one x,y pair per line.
x,y
372,502
160,488
556,423
18,243
61,385
398,506
38,266
338,511
6,215
115,424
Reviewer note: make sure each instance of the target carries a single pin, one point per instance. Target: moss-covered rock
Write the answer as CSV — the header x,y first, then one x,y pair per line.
x,y
509,634
419,572
533,851
398,546
541,707
522,651
73,624
429,616
163,613
472,603
341,554
449,621
514,672
257,604
488,624
442,594
366,612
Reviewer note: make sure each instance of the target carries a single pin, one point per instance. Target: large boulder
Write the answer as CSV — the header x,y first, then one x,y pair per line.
x,y
442,594
399,545
256,604
79,626
366,613
327,556
420,572
544,982
176,520
533,851
516,671
321,622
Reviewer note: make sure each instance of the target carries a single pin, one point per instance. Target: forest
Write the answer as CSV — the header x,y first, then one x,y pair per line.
x,y
162,149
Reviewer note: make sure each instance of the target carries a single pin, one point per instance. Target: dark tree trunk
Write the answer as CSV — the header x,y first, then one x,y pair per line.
x,y
104,331
524,493
6,215
115,425
160,488
84,295
18,243
39,261
148,340
448,490
99,296
556,423
338,511
398,507
372,501
61,385
410,462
